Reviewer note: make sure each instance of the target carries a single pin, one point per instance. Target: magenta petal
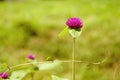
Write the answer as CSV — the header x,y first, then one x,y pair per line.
x,y
74,23
4,75
31,56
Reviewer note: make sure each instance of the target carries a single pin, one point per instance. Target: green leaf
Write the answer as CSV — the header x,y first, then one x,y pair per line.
x,y
50,65
75,33
63,32
18,75
57,78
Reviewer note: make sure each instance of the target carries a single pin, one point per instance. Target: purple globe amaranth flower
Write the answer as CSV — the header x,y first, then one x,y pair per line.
x,y
31,56
4,75
74,23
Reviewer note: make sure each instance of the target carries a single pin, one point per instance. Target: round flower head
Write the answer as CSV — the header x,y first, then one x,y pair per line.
x,y
31,56
4,75
74,23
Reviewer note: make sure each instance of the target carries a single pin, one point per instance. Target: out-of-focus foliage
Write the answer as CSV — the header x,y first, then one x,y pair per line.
x,y
33,27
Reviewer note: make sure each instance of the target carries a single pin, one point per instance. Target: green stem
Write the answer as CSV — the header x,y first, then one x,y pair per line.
x,y
73,60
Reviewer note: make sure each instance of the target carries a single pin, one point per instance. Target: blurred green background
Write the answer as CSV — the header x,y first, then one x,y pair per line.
x,y
33,27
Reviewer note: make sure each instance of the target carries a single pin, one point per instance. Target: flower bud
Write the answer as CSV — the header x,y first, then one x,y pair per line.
x,y
4,75
74,23
31,56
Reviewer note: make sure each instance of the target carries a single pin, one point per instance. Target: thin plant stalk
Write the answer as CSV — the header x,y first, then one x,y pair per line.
x,y
73,60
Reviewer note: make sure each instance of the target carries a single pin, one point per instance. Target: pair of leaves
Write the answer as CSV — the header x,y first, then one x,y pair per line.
x,y
73,32
20,74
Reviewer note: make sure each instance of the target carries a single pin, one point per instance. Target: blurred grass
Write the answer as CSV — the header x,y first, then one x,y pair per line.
x,y
32,27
